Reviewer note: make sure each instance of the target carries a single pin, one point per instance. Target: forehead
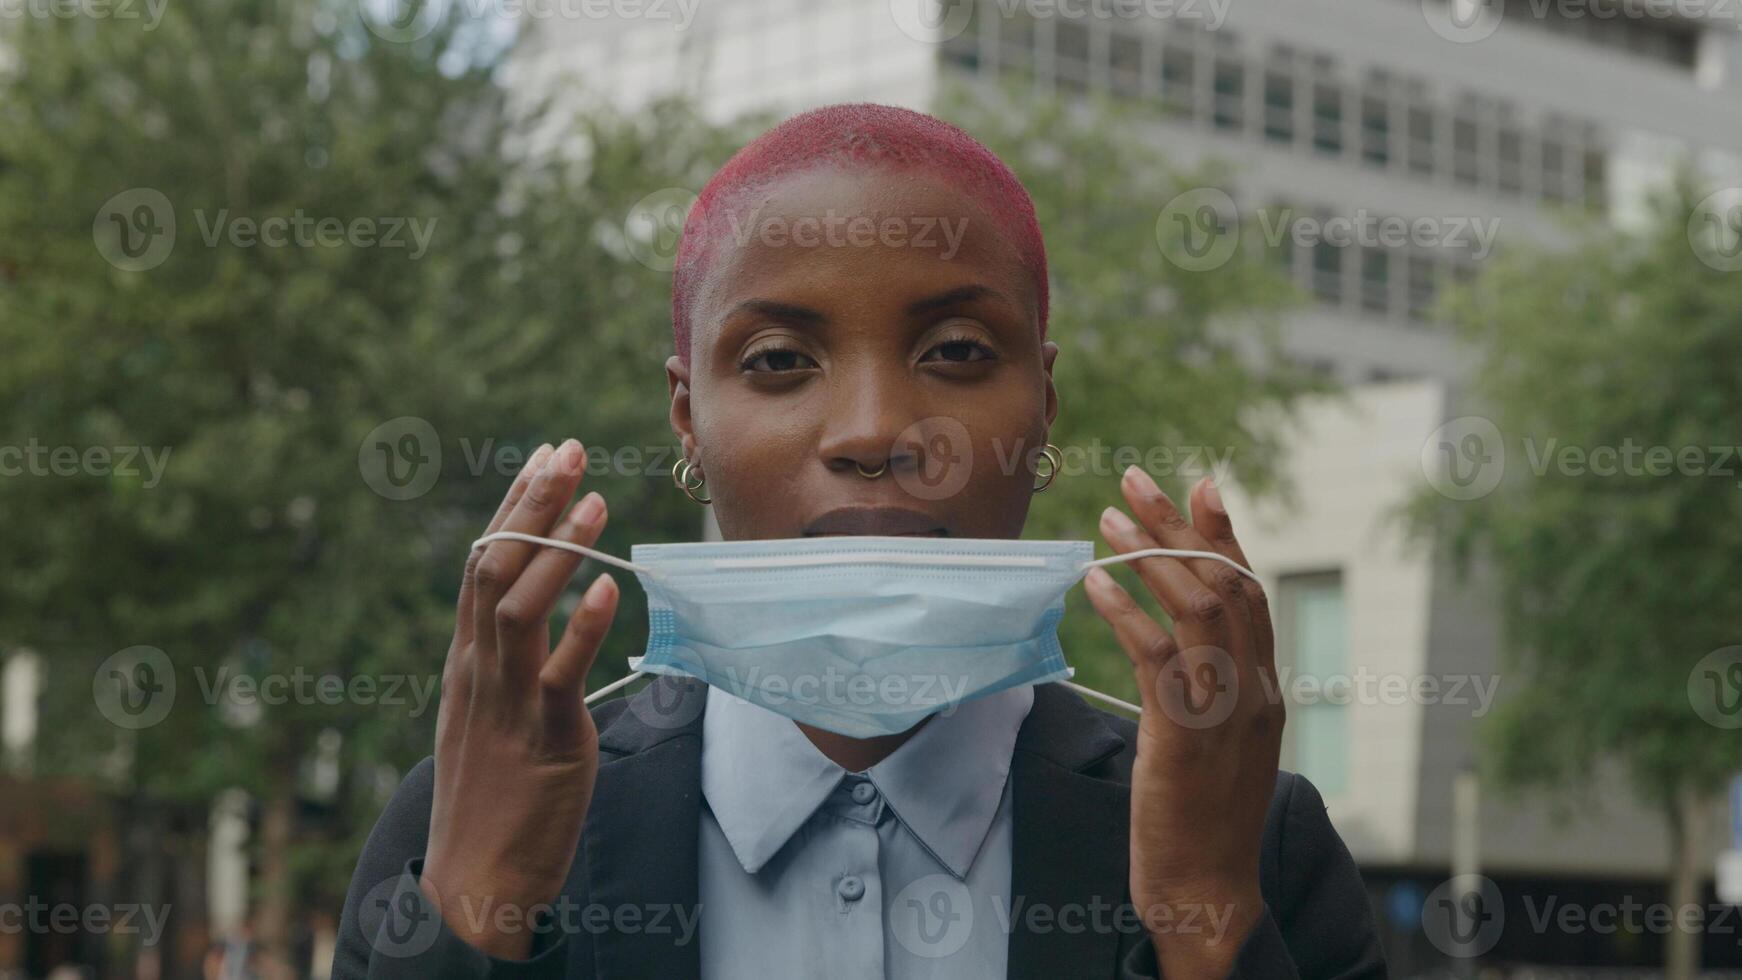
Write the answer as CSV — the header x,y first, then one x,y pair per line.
x,y
831,236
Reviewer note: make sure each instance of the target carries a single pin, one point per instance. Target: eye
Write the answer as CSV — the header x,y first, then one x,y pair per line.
x,y
959,350
775,360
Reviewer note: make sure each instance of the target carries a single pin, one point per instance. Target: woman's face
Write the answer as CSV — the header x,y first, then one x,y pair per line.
x,y
864,320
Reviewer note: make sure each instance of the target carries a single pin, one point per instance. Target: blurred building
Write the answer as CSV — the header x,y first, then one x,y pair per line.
x,y
1473,114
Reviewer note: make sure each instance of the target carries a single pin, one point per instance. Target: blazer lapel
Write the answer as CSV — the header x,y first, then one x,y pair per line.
x,y
641,832
1069,855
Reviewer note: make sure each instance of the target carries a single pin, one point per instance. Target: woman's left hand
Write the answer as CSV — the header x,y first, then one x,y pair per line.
x,y
1211,730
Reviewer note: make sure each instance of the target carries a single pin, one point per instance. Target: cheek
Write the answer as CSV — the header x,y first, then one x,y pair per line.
x,y
746,446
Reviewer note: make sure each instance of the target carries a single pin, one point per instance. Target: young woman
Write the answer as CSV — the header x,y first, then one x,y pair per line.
x,y
860,315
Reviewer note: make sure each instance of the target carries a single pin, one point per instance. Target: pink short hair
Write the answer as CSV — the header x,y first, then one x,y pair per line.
x,y
866,135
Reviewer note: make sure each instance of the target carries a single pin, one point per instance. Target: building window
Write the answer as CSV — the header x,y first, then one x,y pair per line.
x,y
1071,47
1421,285
1466,168
1178,74
1376,281
1327,118
1511,170
1125,57
1278,107
1230,85
1375,130
1421,139
1316,645
1328,273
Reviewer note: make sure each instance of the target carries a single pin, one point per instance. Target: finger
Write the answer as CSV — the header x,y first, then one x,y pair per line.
x,y
1186,597
563,679
503,561
1210,517
1146,643
530,601
1157,513
468,581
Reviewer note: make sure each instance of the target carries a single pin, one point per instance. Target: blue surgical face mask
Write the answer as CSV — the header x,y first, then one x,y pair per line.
x,y
861,636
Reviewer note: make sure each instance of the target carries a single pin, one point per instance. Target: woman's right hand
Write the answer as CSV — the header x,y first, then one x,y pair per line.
x,y
516,750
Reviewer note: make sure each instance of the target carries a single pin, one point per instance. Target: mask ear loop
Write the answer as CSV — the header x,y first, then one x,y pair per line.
x,y
1133,556
580,549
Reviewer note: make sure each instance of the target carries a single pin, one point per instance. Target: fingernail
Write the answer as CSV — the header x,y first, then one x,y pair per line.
x,y
1140,480
1213,496
1115,518
536,463
595,597
588,511
571,457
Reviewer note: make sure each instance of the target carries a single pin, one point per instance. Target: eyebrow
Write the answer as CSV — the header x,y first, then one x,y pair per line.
x,y
961,294
794,313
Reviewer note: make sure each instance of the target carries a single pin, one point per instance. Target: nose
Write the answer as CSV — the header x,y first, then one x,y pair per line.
x,y
868,413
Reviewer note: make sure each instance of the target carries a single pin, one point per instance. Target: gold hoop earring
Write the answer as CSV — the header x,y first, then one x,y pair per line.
x,y
682,479
1055,460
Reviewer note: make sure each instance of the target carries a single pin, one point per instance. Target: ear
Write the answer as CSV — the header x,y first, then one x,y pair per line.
x,y
1049,353
677,381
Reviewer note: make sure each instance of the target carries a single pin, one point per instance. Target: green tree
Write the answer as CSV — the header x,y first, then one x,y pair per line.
x,y
162,294
1616,573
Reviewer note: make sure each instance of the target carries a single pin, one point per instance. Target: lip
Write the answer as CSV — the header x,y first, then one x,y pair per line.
x,y
889,521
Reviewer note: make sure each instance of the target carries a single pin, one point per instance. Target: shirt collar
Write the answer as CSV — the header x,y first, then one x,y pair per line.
x,y
763,778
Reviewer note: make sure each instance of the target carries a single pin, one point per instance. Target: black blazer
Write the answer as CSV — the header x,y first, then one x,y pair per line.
x,y
1071,813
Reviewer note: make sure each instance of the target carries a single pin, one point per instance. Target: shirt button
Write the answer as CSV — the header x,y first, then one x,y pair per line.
x,y
864,793
851,888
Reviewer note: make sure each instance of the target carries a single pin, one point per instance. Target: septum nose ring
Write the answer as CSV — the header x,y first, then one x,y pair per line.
x,y
872,474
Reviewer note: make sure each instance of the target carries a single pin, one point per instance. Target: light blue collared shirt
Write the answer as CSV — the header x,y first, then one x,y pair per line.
x,y
896,873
